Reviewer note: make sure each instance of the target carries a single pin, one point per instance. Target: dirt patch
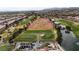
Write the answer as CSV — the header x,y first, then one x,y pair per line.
x,y
41,24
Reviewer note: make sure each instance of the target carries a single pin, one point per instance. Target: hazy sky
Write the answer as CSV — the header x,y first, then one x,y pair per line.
x,y
35,4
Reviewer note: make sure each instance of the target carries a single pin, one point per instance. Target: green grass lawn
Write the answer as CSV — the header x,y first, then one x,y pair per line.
x,y
31,36
48,37
6,48
26,21
38,31
25,37
75,28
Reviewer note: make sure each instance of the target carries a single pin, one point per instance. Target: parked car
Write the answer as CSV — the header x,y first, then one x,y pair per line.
x,y
67,31
62,27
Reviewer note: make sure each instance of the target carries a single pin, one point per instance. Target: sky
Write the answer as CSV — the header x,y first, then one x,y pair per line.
x,y
13,5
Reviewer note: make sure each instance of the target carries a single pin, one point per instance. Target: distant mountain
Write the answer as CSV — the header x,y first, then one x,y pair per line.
x,y
72,11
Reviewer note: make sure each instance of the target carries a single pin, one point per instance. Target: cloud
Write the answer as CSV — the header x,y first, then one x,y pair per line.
x,y
36,4
30,3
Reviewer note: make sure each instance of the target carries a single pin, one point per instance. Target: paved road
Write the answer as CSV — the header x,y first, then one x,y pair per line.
x,y
68,40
